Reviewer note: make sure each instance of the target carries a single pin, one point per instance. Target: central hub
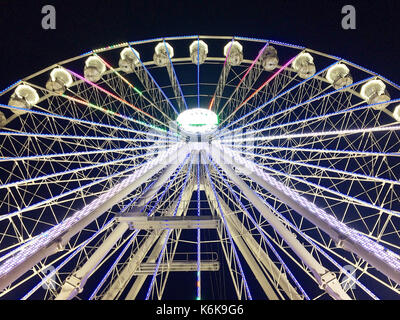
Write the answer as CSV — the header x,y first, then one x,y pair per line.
x,y
198,121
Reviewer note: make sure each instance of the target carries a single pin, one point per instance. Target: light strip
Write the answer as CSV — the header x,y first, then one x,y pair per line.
x,y
135,233
132,86
252,65
61,136
114,96
73,254
161,196
347,152
75,170
247,72
133,237
77,153
119,75
322,168
310,101
338,133
97,124
264,84
277,97
326,255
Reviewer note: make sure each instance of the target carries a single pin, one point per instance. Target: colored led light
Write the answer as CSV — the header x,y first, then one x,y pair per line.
x,y
113,95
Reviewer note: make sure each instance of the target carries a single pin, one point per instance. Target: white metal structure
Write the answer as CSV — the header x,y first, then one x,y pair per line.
x,y
202,167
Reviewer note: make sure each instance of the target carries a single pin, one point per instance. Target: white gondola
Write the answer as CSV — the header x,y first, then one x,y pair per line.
x,y
339,76
161,56
396,113
94,69
304,65
234,51
198,51
129,60
60,79
269,58
374,92
23,97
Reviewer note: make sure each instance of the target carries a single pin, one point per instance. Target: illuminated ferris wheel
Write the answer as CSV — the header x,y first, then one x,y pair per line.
x,y
200,167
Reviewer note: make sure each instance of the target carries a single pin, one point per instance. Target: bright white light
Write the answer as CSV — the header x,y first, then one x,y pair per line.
x,y
198,121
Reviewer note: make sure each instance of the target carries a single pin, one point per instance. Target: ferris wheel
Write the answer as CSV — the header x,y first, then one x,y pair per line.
x,y
200,167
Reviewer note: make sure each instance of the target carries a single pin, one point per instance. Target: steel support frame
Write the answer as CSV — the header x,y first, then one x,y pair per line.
x,y
75,283
129,270
326,279
339,233
276,277
252,263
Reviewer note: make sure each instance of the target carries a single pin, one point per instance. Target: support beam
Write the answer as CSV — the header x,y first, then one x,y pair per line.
x,y
228,246
326,279
349,239
148,268
128,271
279,279
125,275
140,279
252,263
277,276
75,283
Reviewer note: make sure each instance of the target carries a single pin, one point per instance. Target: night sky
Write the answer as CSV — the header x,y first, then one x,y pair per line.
x,y
85,25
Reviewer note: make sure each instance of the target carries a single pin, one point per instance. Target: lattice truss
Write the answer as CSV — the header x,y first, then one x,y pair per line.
x,y
294,196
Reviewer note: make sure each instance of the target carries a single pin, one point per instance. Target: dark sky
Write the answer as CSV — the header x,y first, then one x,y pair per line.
x,y
86,24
